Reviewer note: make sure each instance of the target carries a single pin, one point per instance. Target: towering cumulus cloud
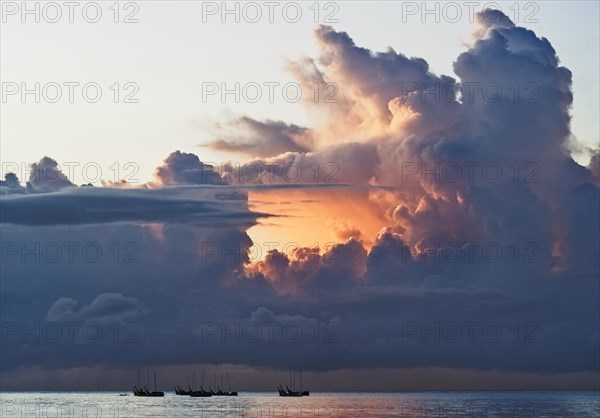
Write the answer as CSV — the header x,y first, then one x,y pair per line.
x,y
464,235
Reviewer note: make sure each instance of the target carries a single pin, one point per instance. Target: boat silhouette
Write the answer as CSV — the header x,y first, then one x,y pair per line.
x,y
200,393
180,391
221,392
144,391
203,393
292,393
234,393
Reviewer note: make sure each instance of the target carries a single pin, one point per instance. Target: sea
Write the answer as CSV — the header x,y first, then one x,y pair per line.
x,y
318,404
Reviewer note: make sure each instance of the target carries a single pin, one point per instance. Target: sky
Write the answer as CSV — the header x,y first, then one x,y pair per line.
x,y
170,52
380,195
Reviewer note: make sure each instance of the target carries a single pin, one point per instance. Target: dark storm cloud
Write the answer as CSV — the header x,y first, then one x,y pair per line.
x,y
102,205
106,307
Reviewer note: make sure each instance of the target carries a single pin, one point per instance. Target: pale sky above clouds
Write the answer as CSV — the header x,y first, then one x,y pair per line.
x,y
170,52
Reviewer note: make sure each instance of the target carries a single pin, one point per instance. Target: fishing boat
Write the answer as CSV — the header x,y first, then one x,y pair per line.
x,y
138,391
206,393
230,393
181,391
288,392
221,392
305,392
156,393
200,393
292,393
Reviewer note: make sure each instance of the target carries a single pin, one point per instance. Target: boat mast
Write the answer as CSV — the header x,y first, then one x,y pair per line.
x,y
154,381
228,382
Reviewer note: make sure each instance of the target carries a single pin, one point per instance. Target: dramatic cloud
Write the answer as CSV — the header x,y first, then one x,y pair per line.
x,y
183,168
46,176
11,184
262,139
337,268
464,234
106,307
192,205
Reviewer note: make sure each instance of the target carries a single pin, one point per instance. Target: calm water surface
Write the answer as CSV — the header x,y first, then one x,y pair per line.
x,y
323,404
